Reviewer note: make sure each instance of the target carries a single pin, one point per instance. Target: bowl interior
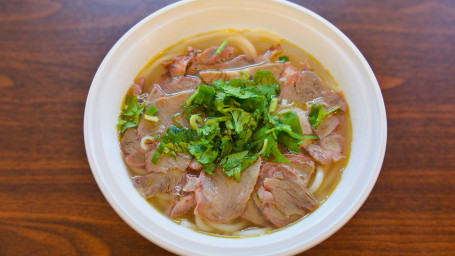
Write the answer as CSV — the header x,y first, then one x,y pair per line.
x,y
185,19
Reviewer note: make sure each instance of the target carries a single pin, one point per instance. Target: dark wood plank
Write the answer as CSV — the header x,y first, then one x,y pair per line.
x,y
51,205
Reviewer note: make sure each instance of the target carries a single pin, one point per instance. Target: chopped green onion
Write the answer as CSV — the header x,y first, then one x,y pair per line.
x,y
310,137
188,102
264,147
152,111
273,104
177,123
283,59
210,121
244,75
222,46
151,118
196,121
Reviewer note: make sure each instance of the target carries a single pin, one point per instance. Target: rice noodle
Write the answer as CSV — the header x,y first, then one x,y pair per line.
x,y
186,223
227,227
317,180
200,223
285,104
251,232
263,36
244,45
219,35
145,140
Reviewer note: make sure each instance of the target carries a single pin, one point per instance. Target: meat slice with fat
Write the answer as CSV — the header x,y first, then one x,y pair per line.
x,y
328,149
166,162
282,190
180,84
167,107
178,65
155,93
155,183
222,199
301,87
237,62
254,214
210,57
130,142
182,197
282,196
269,54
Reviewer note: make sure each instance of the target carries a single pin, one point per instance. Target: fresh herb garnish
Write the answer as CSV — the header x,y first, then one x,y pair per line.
x,y
131,113
222,46
283,59
152,110
318,113
239,125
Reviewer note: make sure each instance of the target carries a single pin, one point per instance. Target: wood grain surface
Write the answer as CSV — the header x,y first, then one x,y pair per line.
x,y
50,51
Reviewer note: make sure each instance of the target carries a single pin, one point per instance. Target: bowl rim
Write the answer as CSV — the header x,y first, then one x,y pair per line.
x,y
138,228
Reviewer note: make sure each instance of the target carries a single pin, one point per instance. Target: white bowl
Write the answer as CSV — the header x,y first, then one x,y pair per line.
x,y
185,19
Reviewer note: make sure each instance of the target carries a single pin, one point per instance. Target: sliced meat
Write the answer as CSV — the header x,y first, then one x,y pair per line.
x,y
167,107
178,65
179,84
139,87
328,125
195,165
306,65
136,159
209,56
210,76
222,199
269,54
237,62
156,93
301,87
328,149
152,184
166,162
283,194
330,100
182,197
130,142
182,120
302,165
288,70
254,214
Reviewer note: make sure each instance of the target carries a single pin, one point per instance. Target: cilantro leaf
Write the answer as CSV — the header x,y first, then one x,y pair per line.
x,y
269,91
318,113
283,59
131,113
152,110
233,91
264,78
233,164
203,95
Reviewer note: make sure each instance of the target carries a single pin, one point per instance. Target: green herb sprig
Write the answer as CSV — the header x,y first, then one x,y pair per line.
x,y
232,124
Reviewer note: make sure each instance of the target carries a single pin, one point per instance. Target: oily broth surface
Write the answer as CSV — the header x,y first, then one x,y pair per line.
x,y
262,41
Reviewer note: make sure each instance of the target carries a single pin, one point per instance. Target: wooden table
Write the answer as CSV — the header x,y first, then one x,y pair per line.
x,y
50,51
